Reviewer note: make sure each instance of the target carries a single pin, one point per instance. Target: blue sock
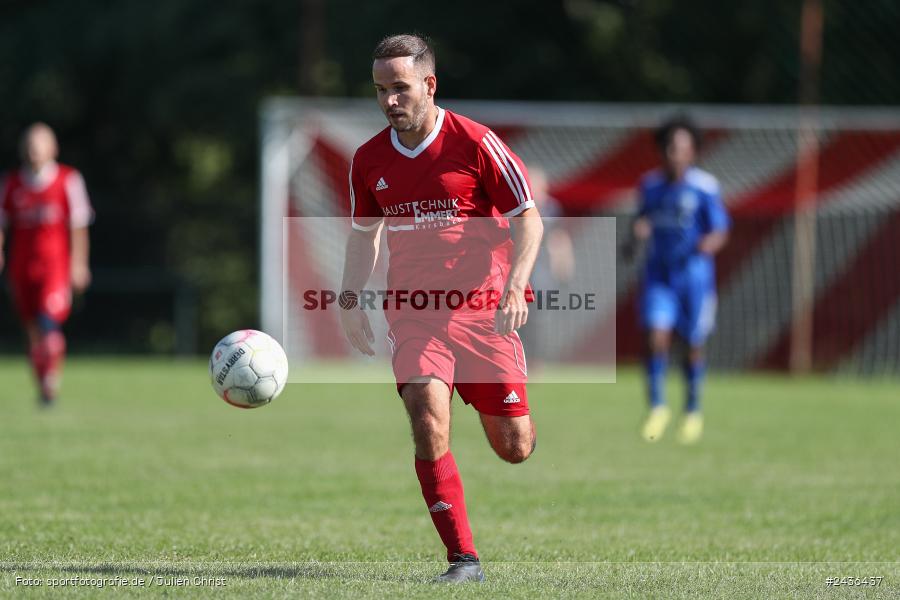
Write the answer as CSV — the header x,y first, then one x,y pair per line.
x,y
656,379
693,375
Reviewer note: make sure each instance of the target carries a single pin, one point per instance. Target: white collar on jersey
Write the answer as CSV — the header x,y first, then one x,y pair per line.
x,y
41,179
424,143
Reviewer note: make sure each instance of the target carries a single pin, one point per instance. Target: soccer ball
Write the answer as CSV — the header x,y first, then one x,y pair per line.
x,y
248,368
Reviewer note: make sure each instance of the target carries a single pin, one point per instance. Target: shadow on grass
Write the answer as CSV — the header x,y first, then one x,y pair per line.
x,y
345,571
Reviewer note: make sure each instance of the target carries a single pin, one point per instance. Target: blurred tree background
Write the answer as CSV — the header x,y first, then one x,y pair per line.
x,y
156,102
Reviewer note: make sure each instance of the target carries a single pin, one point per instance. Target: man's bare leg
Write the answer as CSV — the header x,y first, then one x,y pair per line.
x,y
512,438
427,402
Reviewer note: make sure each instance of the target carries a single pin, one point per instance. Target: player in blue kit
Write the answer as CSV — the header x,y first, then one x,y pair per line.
x,y
683,220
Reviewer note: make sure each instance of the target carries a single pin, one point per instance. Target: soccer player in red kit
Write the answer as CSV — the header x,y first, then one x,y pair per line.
x,y
45,208
444,186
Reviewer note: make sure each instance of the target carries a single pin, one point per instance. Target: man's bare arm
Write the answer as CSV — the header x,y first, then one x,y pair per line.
x,y
527,231
359,262
640,231
712,242
80,247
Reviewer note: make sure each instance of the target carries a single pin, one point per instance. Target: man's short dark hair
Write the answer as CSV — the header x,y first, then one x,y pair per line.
x,y
667,130
407,44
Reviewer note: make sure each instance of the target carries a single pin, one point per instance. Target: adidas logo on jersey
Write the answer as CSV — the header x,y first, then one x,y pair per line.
x,y
439,506
513,398
381,185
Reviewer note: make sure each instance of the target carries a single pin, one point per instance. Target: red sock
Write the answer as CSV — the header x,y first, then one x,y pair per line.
x,y
55,349
38,357
47,357
442,489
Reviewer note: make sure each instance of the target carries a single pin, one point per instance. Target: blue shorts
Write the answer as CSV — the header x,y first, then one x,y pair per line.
x,y
687,307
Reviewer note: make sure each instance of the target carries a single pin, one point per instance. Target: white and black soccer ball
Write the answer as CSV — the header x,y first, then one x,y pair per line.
x,y
248,368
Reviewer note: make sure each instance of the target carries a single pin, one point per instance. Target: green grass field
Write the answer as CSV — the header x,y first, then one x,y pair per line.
x,y
142,472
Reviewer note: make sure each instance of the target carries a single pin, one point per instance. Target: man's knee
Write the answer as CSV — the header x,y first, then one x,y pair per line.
x,y
516,450
429,421
659,340
428,426
425,409
515,453
695,355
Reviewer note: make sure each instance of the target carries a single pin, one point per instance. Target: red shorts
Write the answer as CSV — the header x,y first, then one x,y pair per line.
x,y
50,295
488,370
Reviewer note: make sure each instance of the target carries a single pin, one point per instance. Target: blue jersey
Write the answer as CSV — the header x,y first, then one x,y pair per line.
x,y
681,213
679,283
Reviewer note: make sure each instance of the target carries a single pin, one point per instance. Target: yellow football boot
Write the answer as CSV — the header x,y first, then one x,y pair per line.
x,y
691,428
656,423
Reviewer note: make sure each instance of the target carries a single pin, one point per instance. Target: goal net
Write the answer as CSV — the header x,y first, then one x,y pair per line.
x,y
820,281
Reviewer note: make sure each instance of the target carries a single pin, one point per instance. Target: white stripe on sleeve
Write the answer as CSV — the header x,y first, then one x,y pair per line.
x,y
515,166
519,209
500,165
494,142
352,195
80,212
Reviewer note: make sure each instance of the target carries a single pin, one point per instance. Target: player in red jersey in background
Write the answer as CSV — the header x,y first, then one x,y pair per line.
x,y
444,187
45,208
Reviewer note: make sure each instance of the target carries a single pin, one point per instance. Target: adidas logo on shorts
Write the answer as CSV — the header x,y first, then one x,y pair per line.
x,y
513,398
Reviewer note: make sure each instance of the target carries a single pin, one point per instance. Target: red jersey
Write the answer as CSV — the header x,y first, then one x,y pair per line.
x,y
39,210
443,204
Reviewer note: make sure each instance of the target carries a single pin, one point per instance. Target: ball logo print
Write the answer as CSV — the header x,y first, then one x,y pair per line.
x,y
248,368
